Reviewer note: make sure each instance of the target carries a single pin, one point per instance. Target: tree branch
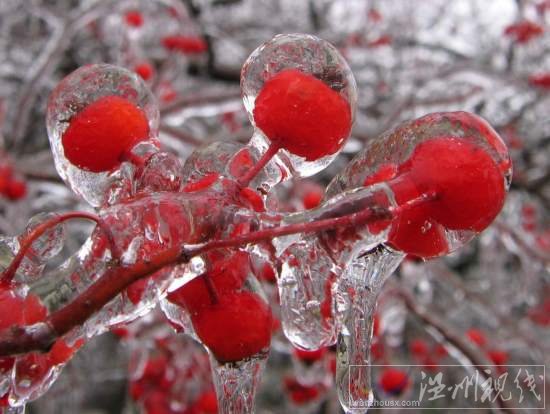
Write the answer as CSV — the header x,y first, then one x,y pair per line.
x,y
41,336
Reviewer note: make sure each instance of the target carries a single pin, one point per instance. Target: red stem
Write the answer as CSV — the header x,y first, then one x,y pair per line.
x,y
244,181
211,288
25,245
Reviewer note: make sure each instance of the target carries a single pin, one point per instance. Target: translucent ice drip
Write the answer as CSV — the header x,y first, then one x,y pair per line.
x,y
236,384
359,288
312,267
305,287
28,387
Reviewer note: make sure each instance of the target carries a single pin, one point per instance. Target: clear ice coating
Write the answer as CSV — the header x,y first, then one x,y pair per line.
x,y
305,291
313,267
310,55
79,89
50,243
231,160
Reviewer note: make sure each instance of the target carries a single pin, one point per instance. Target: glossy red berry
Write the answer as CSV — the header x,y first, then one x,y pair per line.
x,y
235,328
98,136
415,233
468,189
227,275
468,184
301,114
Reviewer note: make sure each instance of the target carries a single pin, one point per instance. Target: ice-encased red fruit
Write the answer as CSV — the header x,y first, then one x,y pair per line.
x,y
235,328
468,191
98,136
301,114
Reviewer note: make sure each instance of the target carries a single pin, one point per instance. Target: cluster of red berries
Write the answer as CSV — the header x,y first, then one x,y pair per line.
x,y
446,183
303,115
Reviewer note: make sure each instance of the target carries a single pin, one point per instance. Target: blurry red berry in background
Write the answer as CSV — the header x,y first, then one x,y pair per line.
x,y
394,381
540,80
145,70
184,44
477,337
133,18
524,31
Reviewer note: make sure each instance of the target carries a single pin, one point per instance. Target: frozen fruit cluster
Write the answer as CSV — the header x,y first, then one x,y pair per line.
x,y
423,189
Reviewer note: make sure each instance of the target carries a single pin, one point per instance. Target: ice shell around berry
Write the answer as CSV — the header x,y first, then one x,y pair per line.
x,y
465,152
99,136
72,96
311,56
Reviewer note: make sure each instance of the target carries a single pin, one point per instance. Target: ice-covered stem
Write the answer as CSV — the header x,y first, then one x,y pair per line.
x,y
18,339
368,215
40,337
236,385
38,231
361,285
262,162
467,351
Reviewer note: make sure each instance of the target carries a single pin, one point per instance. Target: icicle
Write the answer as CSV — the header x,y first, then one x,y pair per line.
x,y
358,289
236,384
